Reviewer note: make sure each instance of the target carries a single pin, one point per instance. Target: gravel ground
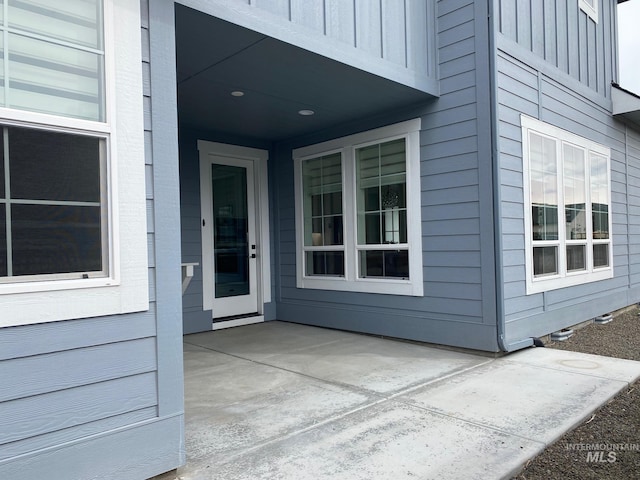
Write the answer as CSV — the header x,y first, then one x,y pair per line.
x,y
617,422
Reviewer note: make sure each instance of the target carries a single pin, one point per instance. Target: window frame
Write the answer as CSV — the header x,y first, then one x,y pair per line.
x,y
124,286
590,10
347,146
323,248
106,225
563,278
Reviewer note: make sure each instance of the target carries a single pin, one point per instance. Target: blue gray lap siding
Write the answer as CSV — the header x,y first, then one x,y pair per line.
x,y
76,389
458,307
563,80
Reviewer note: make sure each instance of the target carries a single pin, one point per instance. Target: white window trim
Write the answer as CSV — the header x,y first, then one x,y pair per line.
x,y
591,11
351,282
126,288
563,278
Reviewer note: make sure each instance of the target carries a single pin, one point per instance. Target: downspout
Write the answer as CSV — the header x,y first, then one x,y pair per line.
x,y
497,226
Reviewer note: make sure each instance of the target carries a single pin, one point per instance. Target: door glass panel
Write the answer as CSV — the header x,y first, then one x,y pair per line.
x,y
230,232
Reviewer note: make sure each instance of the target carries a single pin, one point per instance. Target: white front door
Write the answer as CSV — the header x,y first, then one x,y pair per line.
x,y
229,236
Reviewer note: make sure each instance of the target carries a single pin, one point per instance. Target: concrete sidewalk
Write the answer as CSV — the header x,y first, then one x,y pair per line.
x,y
285,401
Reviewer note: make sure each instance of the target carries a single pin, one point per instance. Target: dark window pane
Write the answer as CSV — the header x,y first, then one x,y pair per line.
x,y
55,239
403,226
2,192
384,263
545,222
600,219
333,230
316,205
601,255
3,241
394,195
576,258
54,166
545,261
325,263
372,228
332,203
371,263
371,199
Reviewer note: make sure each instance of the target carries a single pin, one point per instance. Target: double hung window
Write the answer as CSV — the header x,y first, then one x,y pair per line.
x,y
53,195
71,190
567,217
358,212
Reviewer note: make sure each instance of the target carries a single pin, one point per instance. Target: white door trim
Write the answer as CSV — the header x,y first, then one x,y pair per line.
x,y
261,188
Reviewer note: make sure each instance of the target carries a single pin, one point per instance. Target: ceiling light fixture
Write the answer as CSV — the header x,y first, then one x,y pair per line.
x,y
306,113
237,93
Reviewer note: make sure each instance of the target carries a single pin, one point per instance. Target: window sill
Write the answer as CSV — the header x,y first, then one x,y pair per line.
x,y
56,285
377,286
571,280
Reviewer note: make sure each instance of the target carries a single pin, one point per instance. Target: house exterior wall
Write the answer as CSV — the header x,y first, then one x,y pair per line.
x,y
391,38
75,389
458,306
563,81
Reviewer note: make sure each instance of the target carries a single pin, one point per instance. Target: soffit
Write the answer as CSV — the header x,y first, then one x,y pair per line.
x,y
215,57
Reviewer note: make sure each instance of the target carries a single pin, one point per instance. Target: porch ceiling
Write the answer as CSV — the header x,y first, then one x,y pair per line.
x,y
215,58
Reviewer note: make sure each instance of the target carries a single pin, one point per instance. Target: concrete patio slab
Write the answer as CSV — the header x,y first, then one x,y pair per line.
x,y
237,404
285,401
197,359
375,364
576,362
256,342
533,402
390,440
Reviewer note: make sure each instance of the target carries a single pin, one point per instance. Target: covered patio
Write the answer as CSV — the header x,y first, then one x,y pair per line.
x,y
282,400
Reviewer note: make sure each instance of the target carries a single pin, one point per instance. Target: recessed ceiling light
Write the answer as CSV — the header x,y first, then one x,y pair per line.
x,y
306,113
237,93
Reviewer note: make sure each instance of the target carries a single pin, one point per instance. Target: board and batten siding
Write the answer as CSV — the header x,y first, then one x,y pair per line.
x,y
85,398
562,36
394,39
458,306
524,89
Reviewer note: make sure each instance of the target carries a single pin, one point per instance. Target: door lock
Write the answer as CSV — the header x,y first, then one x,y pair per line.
x,y
253,255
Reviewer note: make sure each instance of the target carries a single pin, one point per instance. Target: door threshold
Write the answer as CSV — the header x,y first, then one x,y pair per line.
x,y
237,321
